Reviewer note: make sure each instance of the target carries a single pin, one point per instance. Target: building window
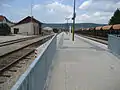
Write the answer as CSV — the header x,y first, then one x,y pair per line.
x,y
16,30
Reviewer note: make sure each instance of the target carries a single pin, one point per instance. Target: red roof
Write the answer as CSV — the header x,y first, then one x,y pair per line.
x,y
2,18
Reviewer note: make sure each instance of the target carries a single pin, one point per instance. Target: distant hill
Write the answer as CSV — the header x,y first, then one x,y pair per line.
x,y
77,25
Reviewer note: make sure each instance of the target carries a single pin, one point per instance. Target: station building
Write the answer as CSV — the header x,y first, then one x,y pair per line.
x,y
27,26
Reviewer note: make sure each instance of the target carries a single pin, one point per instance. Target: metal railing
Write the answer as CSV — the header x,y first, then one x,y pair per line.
x,y
35,76
114,44
60,43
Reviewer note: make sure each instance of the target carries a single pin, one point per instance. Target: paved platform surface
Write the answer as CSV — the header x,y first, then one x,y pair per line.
x,y
84,65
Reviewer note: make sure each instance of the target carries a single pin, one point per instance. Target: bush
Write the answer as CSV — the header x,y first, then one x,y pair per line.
x,y
4,29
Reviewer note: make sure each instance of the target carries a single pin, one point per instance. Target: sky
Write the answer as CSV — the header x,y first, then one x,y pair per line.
x,y
55,11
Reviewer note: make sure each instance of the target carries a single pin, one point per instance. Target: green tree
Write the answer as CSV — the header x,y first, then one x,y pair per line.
x,y
4,29
115,19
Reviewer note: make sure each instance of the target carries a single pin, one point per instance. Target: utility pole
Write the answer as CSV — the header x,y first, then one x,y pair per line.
x,y
31,7
74,15
32,16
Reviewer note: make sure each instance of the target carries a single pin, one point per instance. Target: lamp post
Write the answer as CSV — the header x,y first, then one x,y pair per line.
x,y
74,15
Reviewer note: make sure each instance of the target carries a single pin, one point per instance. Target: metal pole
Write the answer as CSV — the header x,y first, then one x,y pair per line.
x,y
32,16
31,7
74,15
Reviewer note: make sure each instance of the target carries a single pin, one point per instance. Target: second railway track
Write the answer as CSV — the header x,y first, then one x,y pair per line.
x,y
16,41
10,60
95,38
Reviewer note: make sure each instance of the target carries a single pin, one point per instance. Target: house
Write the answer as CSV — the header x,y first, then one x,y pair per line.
x,y
47,30
27,26
3,19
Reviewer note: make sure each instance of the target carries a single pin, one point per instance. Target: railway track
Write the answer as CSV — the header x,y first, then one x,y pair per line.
x,y
97,39
11,60
16,41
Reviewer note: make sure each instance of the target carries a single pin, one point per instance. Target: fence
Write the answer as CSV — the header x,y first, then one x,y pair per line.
x,y
60,43
114,44
35,76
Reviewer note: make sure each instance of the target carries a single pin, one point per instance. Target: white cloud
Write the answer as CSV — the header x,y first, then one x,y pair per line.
x,y
85,16
95,11
59,7
82,18
52,12
85,4
90,11
6,5
118,4
100,5
91,19
96,14
55,6
36,7
99,11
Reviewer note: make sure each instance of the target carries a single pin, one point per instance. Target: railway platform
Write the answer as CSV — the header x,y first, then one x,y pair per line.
x,y
80,65
84,65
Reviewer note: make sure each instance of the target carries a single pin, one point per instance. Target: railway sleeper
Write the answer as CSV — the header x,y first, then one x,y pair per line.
x,y
13,57
5,75
2,65
12,70
27,58
22,63
2,80
18,66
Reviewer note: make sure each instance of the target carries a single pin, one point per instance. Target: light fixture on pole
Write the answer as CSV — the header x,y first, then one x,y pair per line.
x,y
74,15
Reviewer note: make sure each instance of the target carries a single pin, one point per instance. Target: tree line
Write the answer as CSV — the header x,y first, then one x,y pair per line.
x,y
4,29
115,19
